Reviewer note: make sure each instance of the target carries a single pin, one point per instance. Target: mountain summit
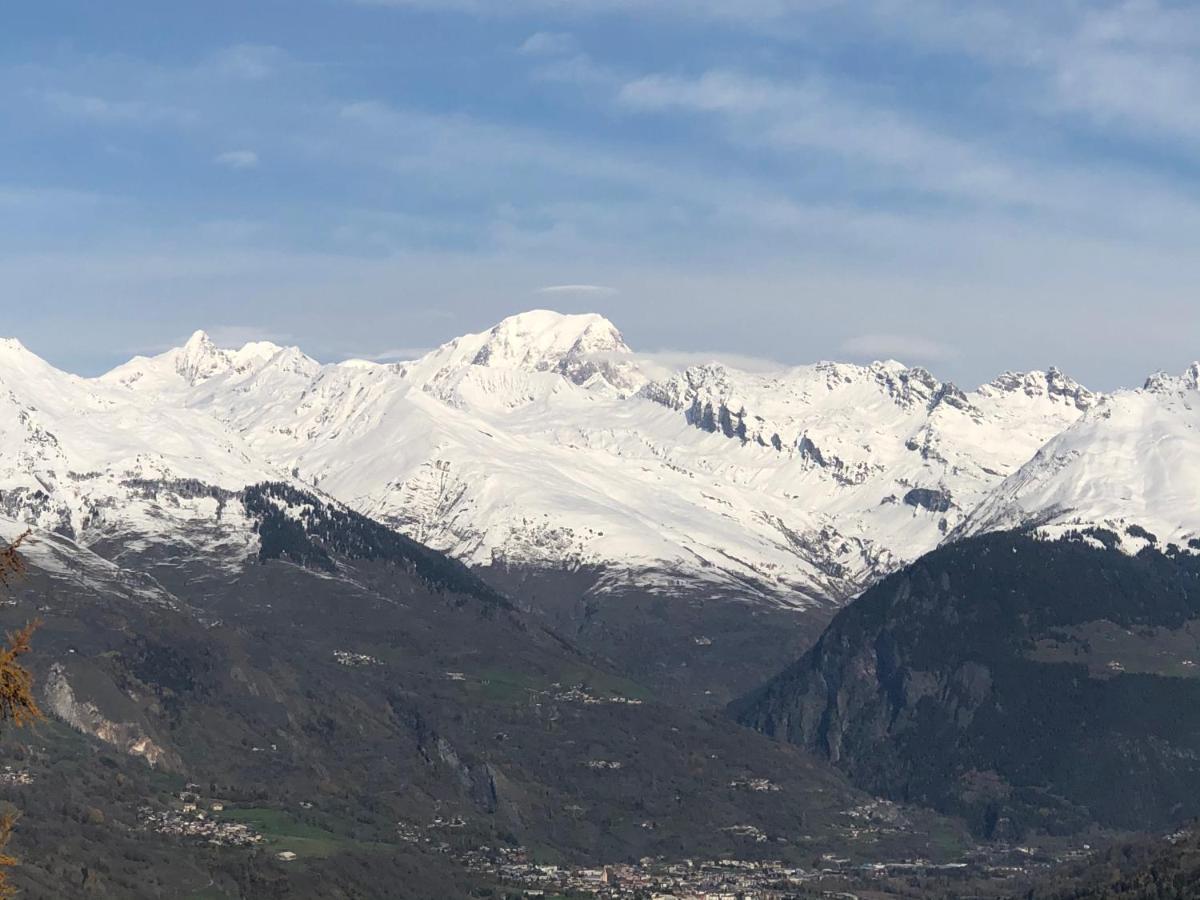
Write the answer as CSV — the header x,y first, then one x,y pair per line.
x,y
542,443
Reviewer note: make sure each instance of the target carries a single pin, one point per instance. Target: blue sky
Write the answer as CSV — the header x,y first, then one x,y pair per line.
x,y
966,185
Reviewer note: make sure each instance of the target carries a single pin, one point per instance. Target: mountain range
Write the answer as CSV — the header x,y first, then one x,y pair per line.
x,y
545,443
513,582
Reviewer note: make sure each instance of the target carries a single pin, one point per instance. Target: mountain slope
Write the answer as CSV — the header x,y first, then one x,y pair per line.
x,y
543,443
1130,465
76,455
373,690
543,453
1025,684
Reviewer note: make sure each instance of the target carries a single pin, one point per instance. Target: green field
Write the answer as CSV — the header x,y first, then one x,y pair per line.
x,y
282,831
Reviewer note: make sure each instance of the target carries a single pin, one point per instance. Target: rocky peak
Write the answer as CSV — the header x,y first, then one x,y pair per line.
x,y
200,359
1052,384
908,386
1162,383
541,339
582,348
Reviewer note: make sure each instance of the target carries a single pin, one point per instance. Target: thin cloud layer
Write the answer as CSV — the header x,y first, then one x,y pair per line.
x,y
237,159
599,290
902,347
999,164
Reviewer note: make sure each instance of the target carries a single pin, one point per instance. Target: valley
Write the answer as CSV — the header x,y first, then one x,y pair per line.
x,y
526,613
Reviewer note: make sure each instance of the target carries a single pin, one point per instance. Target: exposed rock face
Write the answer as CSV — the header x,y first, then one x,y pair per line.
x,y
1052,384
968,681
928,498
85,716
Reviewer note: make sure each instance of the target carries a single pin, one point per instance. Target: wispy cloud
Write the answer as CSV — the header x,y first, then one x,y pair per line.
x,y
549,43
239,335
808,115
745,10
61,200
904,347
252,62
396,354
1025,162
1125,67
237,159
108,111
589,289
228,337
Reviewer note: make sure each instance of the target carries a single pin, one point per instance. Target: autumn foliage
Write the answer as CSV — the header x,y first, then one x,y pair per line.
x,y
17,704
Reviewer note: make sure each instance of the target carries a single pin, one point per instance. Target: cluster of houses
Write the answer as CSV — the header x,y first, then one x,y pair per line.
x,y
735,879
196,825
190,817
687,880
15,776
603,764
579,694
354,660
757,785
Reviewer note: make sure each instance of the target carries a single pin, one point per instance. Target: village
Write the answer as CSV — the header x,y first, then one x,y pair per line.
x,y
648,878
191,818
730,878
194,818
736,879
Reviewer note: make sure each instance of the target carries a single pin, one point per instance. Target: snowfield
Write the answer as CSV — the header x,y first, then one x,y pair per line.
x,y
543,442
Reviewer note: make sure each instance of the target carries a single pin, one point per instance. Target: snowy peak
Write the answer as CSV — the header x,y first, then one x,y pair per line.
x,y
540,340
540,441
1051,384
18,363
586,349
777,409
1162,383
11,347
200,358
581,348
1130,466
200,361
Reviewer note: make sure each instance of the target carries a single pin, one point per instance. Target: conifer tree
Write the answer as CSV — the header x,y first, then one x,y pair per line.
x,y
17,704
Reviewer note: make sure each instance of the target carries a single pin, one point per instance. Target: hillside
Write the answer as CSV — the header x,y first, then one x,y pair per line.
x,y
1024,684
362,697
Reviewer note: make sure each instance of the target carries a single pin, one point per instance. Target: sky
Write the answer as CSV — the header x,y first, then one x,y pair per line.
x,y
969,186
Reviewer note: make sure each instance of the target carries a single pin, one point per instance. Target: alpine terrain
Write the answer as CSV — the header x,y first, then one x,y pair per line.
x,y
442,620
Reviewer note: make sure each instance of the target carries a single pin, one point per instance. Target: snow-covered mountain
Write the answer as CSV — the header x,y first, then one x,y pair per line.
x,y
1130,466
543,442
77,457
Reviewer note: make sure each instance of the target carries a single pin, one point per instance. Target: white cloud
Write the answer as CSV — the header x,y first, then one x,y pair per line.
x,y
897,151
107,111
744,10
809,115
239,335
237,159
714,91
224,336
905,347
59,200
396,354
549,43
250,62
593,289
1127,67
